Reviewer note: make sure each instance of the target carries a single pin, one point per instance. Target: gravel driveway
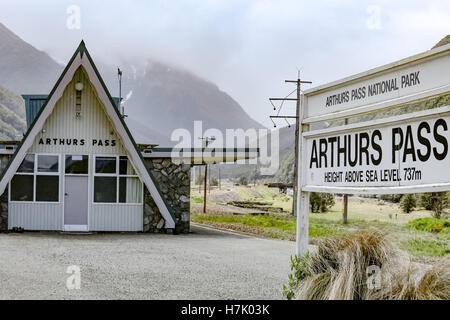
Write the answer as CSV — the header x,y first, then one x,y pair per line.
x,y
206,264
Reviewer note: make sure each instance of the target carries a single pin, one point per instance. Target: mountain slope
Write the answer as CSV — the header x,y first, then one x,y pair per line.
x,y
166,98
163,98
12,115
23,68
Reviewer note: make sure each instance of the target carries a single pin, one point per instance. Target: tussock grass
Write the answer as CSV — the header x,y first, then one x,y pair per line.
x,y
433,285
341,268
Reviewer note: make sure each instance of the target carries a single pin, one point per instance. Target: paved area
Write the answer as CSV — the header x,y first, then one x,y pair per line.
x,y
206,264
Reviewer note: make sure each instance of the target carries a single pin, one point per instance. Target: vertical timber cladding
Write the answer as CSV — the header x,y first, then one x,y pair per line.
x,y
90,133
401,154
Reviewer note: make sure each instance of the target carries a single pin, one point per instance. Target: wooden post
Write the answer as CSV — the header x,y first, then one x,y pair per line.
x,y
345,197
199,179
344,208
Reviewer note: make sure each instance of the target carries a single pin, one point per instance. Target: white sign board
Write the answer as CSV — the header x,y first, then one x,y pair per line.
x,y
413,76
412,152
403,154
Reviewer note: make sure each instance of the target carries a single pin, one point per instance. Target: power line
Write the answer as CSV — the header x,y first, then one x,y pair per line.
x,y
298,82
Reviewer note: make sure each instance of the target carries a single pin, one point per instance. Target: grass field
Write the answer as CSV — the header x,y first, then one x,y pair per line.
x,y
363,214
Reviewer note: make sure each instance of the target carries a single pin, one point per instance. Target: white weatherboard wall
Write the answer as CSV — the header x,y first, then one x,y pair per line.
x,y
94,124
63,124
35,216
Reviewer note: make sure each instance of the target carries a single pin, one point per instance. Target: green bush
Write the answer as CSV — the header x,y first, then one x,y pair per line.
x,y
430,224
299,272
408,203
321,202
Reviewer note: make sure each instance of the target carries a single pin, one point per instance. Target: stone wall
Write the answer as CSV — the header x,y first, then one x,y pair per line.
x,y
4,210
174,182
4,159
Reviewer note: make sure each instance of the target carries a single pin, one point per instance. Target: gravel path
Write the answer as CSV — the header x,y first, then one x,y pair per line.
x,y
206,264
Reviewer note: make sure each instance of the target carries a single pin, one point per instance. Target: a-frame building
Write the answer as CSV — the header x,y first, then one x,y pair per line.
x,y
78,167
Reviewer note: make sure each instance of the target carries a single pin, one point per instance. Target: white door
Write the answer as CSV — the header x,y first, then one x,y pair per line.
x,y
76,204
76,193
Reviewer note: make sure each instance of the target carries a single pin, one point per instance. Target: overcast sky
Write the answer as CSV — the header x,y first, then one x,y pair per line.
x,y
248,48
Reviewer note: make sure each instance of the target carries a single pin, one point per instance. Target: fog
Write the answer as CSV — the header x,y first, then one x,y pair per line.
x,y
247,48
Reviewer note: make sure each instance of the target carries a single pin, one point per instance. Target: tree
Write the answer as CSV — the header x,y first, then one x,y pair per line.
x,y
408,203
435,201
321,202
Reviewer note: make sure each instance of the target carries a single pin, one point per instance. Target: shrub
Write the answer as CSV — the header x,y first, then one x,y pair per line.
x,y
395,198
341,268
199,179
408,203
435,201
321,202
243,181
429,224
214,182
338,269
299,272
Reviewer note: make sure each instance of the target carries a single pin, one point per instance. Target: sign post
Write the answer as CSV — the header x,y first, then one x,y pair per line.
x,y
302,203
405,150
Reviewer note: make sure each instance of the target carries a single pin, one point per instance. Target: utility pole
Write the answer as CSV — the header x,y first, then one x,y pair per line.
x,y
220,186
297,126
207,139
209,182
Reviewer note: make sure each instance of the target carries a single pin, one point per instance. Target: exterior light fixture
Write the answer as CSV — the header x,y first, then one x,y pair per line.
x,y
79,86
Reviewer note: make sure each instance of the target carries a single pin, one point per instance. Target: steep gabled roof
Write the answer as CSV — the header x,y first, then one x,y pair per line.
x,y
81,57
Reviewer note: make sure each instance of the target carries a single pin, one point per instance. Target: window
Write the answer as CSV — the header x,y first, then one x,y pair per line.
x,y
105,165
125,166
27,165
105,189
48,163
77,164
22,187
47,188
116,181
37,179
130,190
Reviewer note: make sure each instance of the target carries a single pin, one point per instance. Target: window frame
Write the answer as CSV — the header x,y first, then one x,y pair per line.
x,y
36,173
116,175
63,170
